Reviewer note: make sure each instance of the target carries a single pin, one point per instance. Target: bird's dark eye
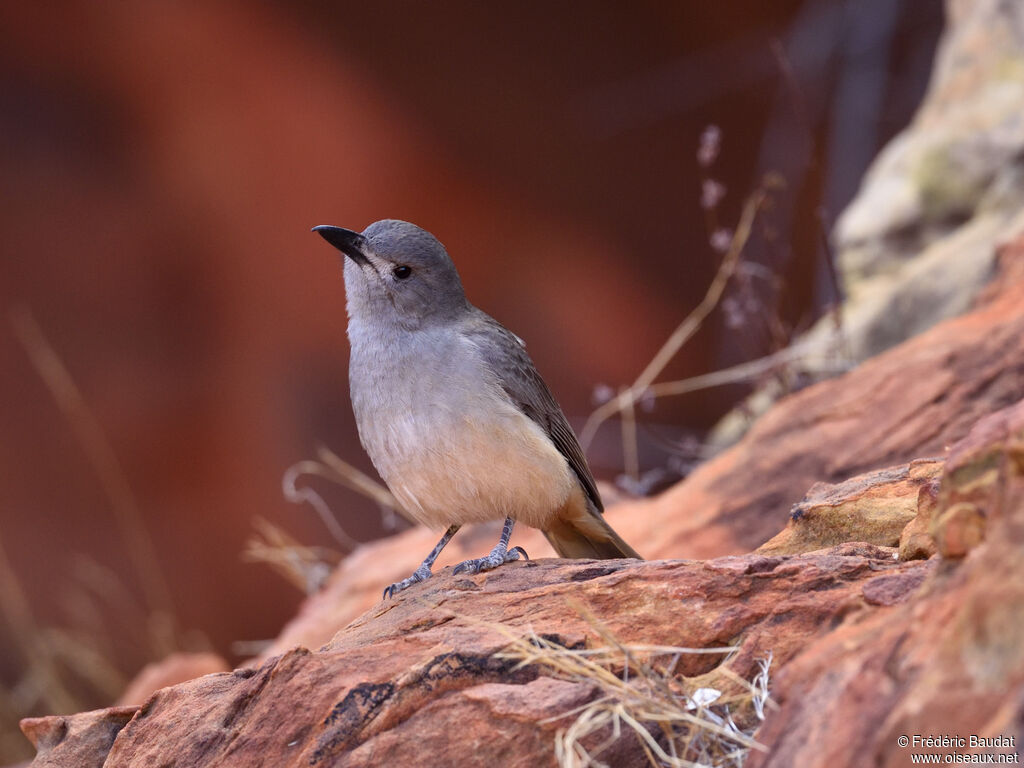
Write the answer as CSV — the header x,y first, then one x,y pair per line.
x,y
401,271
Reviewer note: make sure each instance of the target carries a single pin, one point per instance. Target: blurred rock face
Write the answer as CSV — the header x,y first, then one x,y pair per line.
x,y
915,245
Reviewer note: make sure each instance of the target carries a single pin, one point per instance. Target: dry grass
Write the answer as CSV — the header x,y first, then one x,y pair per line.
x,y
332,467
677,722
305,567
70,668
63,670
100,454
308,567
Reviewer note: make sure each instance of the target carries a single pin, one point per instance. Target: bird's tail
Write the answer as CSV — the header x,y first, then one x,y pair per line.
x,y
586,535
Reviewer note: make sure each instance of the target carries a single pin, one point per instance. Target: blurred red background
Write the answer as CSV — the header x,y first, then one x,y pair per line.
x,y
162,165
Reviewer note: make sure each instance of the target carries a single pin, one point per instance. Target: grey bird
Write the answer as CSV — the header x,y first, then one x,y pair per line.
x,y
451,409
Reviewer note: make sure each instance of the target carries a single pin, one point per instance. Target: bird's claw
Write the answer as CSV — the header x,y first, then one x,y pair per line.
x,y
491,561
420,574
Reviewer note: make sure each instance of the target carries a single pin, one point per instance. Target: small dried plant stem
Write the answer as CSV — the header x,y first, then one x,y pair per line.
x,y
296,495
100,453
741,372
821,215
332,467
830,267
349,476
651,701
630,445
628,397
14,608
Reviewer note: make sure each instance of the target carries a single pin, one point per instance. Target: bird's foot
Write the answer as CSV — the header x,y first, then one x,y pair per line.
x,y
499,556
420,574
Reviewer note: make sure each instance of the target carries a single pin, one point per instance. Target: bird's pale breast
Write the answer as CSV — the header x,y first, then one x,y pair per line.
x,y
447,440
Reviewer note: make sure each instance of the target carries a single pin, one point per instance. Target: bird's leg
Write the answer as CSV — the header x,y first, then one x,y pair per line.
x,y
423,572
499,555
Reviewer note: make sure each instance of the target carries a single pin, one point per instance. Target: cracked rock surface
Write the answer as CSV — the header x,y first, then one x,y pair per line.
x,y
420,672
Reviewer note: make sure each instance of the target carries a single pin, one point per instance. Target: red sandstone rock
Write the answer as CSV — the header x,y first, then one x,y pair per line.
x,y
176,668
874,507
949,660
419,672
78,741
916,541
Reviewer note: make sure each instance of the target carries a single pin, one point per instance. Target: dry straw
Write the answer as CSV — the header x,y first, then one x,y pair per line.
x,y
676,722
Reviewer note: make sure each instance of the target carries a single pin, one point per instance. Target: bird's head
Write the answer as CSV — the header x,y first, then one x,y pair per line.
x,y
397,274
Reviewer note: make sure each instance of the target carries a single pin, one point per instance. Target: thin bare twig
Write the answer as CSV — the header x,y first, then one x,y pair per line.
x,y
821,216
87,661
630,446
628,397
332,467
360,482
744,371
305,567
307,495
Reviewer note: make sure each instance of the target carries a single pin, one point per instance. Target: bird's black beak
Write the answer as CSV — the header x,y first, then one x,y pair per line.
x,y
352,244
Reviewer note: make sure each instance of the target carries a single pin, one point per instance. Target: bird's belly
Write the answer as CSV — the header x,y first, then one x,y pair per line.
x,y
480,463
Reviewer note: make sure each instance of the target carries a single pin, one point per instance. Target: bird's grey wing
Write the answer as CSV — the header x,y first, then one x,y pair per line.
x,y
506,356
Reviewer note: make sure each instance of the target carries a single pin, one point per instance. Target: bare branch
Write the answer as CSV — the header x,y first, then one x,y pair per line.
x,y
628,397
